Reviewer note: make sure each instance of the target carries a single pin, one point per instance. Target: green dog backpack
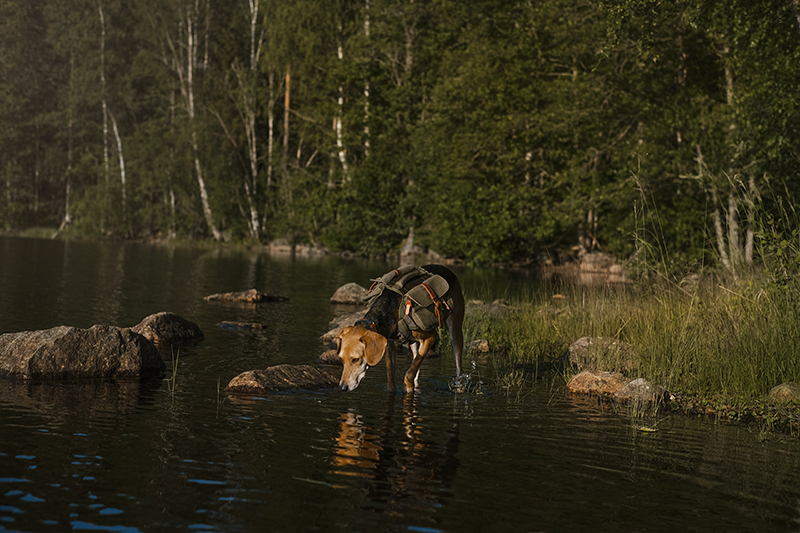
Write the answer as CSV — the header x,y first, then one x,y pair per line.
x,y
425,303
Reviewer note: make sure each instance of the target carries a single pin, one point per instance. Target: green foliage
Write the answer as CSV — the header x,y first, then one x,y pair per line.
x,y
500,130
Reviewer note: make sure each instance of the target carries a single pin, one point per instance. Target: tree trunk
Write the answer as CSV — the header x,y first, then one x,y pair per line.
x,y
103,89
337,121
189,94
286,102
366,87
121,164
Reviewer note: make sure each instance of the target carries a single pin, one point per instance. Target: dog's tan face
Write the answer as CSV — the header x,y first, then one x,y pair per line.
x,y
359,349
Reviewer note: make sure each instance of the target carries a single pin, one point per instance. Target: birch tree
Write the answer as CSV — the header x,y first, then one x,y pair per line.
x,y
179,53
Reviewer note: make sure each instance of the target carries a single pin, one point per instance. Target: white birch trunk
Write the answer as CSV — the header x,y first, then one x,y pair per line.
x,y
271,126
337,122
366,86
103,88
191,60
121,161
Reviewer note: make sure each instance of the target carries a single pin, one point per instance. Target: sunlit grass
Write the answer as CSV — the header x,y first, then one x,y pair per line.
x,y
735,339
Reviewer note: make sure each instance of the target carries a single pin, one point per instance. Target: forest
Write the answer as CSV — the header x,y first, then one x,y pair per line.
x,y
500,130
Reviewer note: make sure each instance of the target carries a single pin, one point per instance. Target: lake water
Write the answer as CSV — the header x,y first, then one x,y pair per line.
x,y
122,456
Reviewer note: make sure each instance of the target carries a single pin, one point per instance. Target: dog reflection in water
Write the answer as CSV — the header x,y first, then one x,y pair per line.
x,y
356,447
404,464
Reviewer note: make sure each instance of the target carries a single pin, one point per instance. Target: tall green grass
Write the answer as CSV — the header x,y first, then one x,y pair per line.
x,y
736,340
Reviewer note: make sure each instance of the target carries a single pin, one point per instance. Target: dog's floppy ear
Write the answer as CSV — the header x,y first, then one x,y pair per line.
x,y
338,338
374,347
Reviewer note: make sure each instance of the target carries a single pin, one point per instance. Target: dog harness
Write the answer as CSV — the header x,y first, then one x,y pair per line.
x,y
425,302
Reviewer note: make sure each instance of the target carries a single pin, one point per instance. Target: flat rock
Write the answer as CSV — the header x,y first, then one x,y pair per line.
x,y
785,392
168,329
284,378
66,352
602,383
249,326
350,294
251,296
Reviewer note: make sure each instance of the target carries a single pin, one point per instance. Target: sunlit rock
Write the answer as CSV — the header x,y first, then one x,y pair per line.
x,y
284,378
591,353
605,383
350,294
251,296
68,352
168,329
785,392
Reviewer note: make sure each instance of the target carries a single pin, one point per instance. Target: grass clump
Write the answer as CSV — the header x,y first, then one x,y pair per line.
x,y
732,340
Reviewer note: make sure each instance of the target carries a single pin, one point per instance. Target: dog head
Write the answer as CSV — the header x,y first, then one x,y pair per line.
x,y
359,349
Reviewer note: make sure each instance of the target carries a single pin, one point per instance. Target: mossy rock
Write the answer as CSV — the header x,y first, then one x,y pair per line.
x,y
785,392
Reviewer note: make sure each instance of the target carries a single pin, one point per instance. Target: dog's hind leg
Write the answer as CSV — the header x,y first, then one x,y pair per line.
x,y
455,324
420,350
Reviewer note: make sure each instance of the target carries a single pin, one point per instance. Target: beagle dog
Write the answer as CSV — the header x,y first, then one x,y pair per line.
x,y
370,339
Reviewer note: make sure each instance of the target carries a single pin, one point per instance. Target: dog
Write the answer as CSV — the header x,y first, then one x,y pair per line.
x,y
367,342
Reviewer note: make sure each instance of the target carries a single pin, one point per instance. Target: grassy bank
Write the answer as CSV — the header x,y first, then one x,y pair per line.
x,y
718,346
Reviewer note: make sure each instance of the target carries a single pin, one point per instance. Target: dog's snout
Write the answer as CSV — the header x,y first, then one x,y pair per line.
x,y
345,388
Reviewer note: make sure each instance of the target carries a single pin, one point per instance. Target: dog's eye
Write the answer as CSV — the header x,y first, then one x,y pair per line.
x,y
356,360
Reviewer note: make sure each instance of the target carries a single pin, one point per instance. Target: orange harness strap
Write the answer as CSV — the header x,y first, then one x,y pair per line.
x,y
438,303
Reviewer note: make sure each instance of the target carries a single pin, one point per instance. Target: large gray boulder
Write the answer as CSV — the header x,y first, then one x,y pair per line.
x,y
168,329
284,378
68,352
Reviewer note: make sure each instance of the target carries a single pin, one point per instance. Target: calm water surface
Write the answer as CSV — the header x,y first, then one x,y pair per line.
x,y
125,456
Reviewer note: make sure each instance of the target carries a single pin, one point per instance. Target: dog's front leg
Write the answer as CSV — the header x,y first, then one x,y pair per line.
x,y
390,350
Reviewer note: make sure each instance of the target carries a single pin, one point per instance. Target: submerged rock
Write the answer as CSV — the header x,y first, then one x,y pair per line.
x,y
251,326
785,392
68,352
284,378
605,383
349,294
168,329
251,296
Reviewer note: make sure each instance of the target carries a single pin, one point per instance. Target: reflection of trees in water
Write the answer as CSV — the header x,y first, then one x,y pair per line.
x,y
406,468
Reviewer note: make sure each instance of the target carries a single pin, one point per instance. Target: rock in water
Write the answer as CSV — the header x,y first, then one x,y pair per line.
x,y
68,352
168,329
283,378
245,297
639,391
350,294
603,383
